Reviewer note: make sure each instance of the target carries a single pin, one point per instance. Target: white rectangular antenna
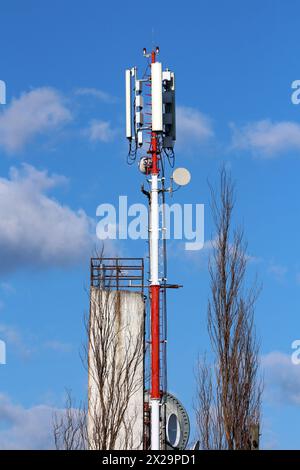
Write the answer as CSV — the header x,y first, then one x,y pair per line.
x,y
173,106
140,138
139,119
128,105
156,90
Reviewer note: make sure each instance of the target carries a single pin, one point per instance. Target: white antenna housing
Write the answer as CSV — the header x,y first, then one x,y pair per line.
x,y
140,138
173,106
156,86
128,104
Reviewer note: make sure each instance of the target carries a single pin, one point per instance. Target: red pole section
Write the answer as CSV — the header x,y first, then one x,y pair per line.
x,y
155,386
154,168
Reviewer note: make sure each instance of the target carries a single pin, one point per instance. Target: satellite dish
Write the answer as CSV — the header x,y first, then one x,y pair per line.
x,y
181,176
177,424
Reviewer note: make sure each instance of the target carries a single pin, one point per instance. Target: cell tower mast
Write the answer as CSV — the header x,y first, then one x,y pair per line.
x,y
154,261
161,130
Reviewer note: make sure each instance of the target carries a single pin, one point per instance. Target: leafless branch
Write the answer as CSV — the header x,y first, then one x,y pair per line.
x,y
229,394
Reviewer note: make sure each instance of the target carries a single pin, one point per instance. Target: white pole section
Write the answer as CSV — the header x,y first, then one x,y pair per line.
x,y
155,433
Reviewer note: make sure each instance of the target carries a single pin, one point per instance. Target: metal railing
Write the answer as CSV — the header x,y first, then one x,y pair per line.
x,y
118,273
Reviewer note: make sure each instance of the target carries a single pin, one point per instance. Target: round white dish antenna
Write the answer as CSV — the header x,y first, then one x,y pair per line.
x,y
181,176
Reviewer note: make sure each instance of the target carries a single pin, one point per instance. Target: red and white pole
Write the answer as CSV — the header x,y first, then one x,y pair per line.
x,y
154,294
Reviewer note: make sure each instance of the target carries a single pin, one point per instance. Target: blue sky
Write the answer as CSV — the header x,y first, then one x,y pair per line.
x,y
63,152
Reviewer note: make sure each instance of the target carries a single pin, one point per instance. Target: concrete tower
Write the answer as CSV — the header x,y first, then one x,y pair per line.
x,y
116,355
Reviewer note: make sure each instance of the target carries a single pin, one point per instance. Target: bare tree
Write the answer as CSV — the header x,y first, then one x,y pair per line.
x,y
113,357
69,427
229,392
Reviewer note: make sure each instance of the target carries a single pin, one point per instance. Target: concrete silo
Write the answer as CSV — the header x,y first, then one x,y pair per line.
x,y
116,354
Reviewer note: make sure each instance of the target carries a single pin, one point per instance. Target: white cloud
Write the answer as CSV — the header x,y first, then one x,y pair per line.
x,y
193,127
278,271
100,131
58,346
14,338
25,346
7,288
96,93
36,112
282,378
202,256
266,138
35,229
25,428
